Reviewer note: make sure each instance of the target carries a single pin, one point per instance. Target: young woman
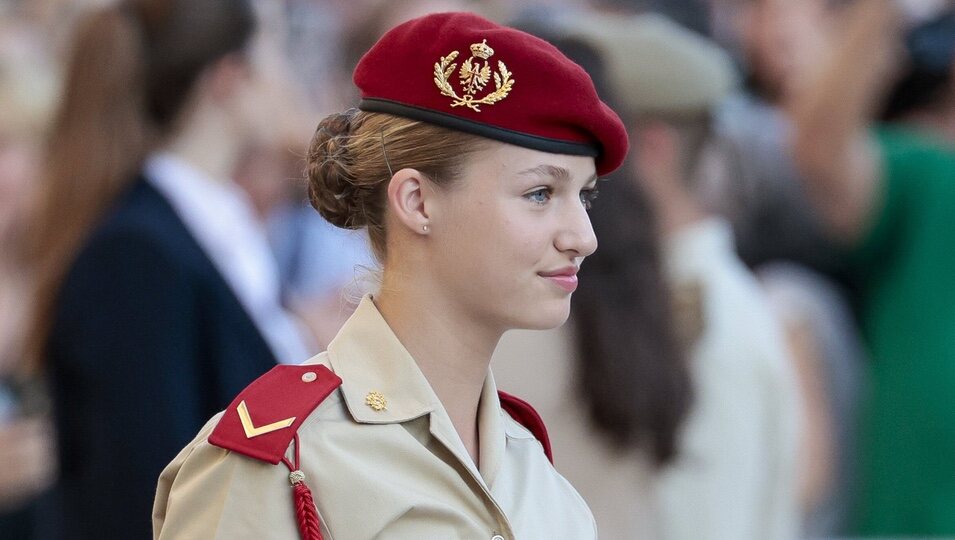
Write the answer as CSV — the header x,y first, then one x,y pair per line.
x,y
472,162
155,304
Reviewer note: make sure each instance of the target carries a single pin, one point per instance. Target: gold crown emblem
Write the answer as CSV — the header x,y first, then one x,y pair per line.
x,y
482,50
473,77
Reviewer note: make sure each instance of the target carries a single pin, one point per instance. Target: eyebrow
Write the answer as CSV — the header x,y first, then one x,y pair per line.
x,y
553,171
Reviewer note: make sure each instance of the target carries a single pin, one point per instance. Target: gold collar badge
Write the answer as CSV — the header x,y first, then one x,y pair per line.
x,y
473,78
376,400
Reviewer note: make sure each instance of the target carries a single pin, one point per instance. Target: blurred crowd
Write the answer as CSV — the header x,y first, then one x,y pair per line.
x,y
762,348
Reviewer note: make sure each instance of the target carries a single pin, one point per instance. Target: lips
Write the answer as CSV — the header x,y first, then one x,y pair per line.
x,y
565,278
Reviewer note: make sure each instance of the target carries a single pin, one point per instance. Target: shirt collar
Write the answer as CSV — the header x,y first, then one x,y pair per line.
x,y
368,357
492,431
205,203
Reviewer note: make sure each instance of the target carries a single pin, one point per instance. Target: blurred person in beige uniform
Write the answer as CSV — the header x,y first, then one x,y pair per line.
x,y
472,162
685,418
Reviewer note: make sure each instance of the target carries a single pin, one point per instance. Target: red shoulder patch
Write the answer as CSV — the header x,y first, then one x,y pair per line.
x,y
526,416
262,420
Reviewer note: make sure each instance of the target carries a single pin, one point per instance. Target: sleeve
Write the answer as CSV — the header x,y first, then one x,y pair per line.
x,y
214,494
127,370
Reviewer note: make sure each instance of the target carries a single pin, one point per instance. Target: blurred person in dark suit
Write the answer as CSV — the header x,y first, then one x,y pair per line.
x,y
157,297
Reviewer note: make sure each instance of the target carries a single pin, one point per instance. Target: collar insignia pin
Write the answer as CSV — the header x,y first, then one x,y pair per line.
x,y
376,400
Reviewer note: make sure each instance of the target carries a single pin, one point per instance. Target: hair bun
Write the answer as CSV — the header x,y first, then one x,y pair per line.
x,y
332,188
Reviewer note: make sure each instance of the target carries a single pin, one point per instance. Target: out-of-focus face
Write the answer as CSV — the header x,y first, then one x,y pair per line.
x,y
509,236
267,106
781,38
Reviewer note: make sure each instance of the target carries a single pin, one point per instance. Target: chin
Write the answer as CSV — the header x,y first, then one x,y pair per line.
x,y
546,315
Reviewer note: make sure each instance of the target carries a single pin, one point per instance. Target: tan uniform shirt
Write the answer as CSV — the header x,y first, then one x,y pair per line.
x,y
401,472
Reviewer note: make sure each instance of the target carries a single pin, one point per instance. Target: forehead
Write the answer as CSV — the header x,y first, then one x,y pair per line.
x,y
511,163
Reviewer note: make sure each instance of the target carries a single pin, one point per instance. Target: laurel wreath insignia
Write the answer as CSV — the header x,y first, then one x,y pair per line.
x,y
473,77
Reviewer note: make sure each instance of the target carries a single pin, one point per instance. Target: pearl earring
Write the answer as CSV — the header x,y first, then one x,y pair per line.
x,y
425,228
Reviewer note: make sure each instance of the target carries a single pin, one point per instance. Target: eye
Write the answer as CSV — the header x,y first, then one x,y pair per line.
x,y
588,196
539,196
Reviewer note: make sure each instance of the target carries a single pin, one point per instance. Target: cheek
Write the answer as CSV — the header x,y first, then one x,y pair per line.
x,y
492,241
519,238
463,241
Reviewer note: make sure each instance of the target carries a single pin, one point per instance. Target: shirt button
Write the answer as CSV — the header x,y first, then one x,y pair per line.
x,y
497,537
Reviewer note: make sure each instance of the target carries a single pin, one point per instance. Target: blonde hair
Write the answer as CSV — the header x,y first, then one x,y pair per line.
x,y
353,155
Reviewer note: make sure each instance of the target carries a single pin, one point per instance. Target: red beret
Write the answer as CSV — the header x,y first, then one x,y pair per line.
x,y
464,72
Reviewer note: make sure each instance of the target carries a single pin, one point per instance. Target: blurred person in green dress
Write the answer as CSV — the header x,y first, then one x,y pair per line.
x,y
887,194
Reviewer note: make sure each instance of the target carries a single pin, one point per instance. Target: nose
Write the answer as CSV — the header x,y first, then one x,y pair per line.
x,y
576,235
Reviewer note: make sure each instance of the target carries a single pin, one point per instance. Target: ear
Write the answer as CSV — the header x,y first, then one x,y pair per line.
x,y
410,194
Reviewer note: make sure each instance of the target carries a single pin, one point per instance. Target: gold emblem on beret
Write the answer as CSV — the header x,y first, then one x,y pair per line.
x,y
473,78
376,401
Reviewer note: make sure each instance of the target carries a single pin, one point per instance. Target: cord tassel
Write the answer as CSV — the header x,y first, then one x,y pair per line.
x,y
305,512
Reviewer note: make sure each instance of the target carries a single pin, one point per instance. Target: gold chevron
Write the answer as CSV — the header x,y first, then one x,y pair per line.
x,y
252,431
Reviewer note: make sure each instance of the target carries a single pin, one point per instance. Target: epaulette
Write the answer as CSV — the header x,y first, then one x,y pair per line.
x,y
263,421
525,415
264,418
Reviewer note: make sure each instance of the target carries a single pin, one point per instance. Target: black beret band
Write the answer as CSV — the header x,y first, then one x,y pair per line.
x,y
544,144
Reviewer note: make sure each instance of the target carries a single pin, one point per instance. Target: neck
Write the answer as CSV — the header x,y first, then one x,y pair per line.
x,y
208,142
452,349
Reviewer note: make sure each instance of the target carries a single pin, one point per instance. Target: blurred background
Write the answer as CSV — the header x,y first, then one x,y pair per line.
x,y
762,348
